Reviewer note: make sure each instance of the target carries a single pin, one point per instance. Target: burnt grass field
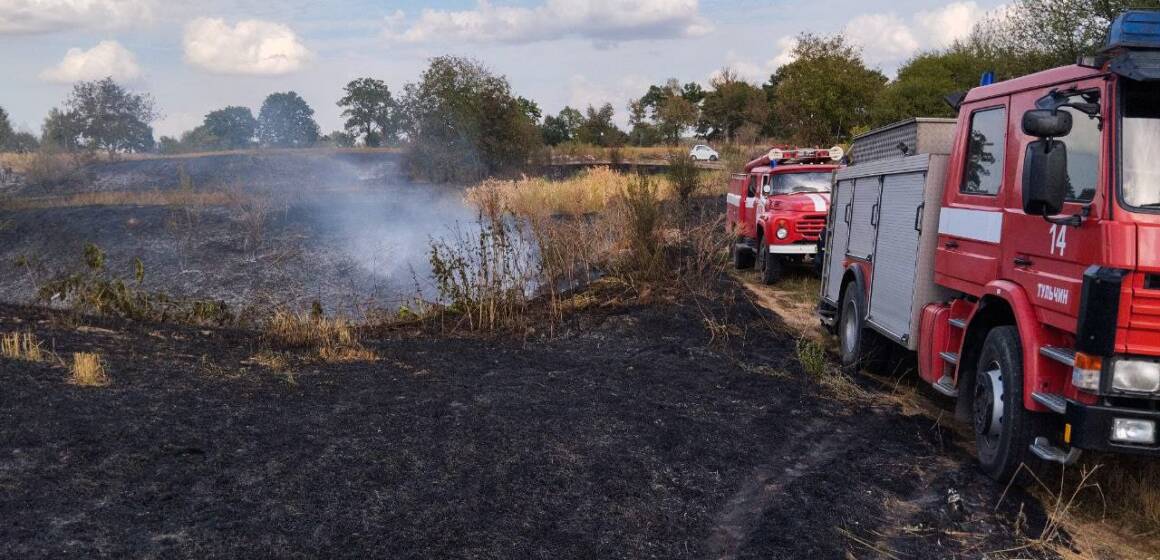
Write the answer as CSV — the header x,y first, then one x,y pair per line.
x,y
636,430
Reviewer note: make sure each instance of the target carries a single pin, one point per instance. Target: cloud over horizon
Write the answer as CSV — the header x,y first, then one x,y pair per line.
x,y
250,47
20,17
106,59
603,21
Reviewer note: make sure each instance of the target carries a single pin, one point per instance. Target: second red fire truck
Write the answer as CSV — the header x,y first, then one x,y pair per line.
x,y
1016,250
777,208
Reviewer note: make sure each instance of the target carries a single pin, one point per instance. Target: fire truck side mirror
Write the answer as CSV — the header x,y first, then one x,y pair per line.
x,y
1045,181
766,190
1046,123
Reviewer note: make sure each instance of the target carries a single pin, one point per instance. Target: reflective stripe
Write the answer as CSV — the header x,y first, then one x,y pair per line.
x,y
795,249
733,199
819,202
980,225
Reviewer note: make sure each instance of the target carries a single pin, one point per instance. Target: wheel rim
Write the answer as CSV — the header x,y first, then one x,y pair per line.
x,y
988,406
849,328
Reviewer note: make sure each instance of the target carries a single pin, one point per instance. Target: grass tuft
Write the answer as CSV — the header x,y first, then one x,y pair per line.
x,y
21,346
87,370
334,340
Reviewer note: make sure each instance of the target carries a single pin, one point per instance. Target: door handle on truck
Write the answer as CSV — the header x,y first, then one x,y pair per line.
x,y
1022,261
849,207
918,217
874,215
951,244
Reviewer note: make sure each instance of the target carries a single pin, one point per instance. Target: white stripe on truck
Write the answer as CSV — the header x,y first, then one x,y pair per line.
x,y
980,225
819,202
733,199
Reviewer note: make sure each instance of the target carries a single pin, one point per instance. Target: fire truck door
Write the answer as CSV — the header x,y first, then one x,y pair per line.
x,y
843,198
864,218
1049,259
896,254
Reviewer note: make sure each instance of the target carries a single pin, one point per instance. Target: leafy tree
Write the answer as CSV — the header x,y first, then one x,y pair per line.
x,y
642,132
200,139
370,110
6,131
108,117
464,124
598,128
286,121
730,106
61,130
674,115
232,127
1047,33
339,139
561,128
531,109
826,92
23,143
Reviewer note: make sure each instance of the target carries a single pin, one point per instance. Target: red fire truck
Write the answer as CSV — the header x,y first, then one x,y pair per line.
x,y
1017,251
777,208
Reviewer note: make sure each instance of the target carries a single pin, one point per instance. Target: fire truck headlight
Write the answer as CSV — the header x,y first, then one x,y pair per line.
x,y
782,233
1130,430
1136,376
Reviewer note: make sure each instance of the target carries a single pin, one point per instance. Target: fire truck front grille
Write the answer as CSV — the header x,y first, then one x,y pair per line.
x,y
811,225
1146,310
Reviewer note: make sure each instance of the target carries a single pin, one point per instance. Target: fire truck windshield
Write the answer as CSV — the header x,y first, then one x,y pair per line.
x,y
801,182
1140,138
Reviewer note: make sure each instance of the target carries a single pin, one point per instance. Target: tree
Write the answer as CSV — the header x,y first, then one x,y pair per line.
x,y
338,139
674,115
23,143
232,127
286,121
61,130
464,124
108,117
826,92
730,106
561,128
641,133
370,110
6,132
598,128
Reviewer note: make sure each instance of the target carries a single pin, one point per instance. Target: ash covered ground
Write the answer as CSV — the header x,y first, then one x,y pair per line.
x,y
278,230
635,431
628,435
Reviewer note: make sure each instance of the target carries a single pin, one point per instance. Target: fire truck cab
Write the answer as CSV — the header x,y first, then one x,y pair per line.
x,y
777,208
1020,258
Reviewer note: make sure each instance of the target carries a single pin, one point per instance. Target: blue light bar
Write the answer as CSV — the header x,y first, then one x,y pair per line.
x,y
1135,29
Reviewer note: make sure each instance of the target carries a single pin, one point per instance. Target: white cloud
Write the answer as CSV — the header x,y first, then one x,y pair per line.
x,y
250,47
605,21
950,23
107,59
43,16
883,37
583,92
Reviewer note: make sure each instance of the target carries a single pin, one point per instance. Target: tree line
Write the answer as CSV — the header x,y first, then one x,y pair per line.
x,y
460,121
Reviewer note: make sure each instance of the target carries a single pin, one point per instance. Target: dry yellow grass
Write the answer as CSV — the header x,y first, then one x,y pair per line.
x,y
587,193
335,340
123,198
21,346
87,370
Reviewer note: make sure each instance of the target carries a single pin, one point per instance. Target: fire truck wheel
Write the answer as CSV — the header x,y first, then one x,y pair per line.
x,y
1004,429
742,259
771,266
858,346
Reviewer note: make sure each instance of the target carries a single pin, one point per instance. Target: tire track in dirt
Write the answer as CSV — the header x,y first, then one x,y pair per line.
x,y
743,511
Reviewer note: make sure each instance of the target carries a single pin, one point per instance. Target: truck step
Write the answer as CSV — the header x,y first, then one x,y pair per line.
x,y
1055,403
949,357
960,324
1065,356
946,386
1043,449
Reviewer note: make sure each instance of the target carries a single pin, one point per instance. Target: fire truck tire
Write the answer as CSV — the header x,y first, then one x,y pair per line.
x,y
771,266
742,259
858,346
1004,429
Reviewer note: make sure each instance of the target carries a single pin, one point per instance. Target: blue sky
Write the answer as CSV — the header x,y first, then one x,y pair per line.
x,y
194,57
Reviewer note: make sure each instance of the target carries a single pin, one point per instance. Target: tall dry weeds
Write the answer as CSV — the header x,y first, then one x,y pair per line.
x,y
21,346
333,340
88,370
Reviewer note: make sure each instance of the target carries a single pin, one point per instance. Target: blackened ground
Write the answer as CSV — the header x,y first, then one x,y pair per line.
x,y
628,435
